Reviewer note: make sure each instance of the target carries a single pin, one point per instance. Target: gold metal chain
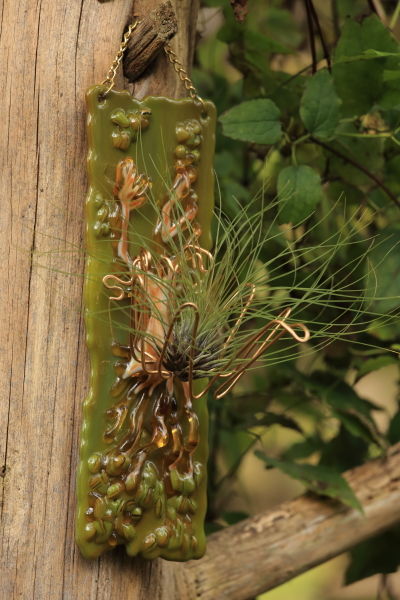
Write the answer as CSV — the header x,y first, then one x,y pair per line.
x,y
183,76
117,60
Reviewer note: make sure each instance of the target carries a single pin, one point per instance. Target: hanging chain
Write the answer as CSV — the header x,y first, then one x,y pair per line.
x,y
183,76
117,60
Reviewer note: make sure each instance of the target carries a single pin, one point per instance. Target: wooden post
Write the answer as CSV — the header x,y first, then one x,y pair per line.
x,y
51,52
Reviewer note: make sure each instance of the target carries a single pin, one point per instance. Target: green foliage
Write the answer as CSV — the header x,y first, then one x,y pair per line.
x,y
378,555
255,121
320,105
374,364
303,186
326,143
319,479
359,79
385,259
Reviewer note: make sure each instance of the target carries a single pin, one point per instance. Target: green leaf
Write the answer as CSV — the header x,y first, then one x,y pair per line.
x,y
389,75
234,517
303,185
303,449
394,429
380,554
337,393
366,55
344,451
360,83
263,43
269,419
319,479
360,426
255,121
366,151
320,105
385,260
374,364
353,412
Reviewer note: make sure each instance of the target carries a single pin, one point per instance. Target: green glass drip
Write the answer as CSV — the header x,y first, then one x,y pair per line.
x,y
133,486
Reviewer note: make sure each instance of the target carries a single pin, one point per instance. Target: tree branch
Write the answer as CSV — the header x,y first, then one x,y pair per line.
x,y
357,166
261,553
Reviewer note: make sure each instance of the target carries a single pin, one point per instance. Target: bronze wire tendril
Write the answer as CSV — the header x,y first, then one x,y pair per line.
x,y
279,327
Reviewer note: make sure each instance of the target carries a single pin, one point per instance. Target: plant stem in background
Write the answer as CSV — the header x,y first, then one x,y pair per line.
x,y
357,166
395,16
335,19
311,35
321,35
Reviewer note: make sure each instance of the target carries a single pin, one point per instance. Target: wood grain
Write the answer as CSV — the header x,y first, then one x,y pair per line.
x,y
148,39
261,553
51,52
157,76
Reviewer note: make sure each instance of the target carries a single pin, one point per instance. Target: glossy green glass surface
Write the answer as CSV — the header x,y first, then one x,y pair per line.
x,y
159,517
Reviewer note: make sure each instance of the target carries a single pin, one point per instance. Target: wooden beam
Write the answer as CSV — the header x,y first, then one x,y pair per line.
x,y
149,39
44,367
261,553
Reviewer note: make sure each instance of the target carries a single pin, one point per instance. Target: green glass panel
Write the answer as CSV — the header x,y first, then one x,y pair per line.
x,y
127,491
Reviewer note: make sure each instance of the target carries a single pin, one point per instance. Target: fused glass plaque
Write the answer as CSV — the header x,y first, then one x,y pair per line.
x,y
143,453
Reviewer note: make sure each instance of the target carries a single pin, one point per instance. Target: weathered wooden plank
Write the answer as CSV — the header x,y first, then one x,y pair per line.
x,y
261,553
51,52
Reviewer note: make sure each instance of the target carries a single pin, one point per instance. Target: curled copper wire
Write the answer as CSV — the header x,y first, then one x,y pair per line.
x,y
139,319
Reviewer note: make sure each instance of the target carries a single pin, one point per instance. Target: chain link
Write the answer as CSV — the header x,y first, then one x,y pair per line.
x,y
183,76
117,60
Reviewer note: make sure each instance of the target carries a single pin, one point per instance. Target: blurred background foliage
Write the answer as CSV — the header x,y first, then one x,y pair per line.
x,y
308,94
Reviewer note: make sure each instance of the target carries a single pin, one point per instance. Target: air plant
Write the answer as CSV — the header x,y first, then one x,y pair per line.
x,y
218,313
